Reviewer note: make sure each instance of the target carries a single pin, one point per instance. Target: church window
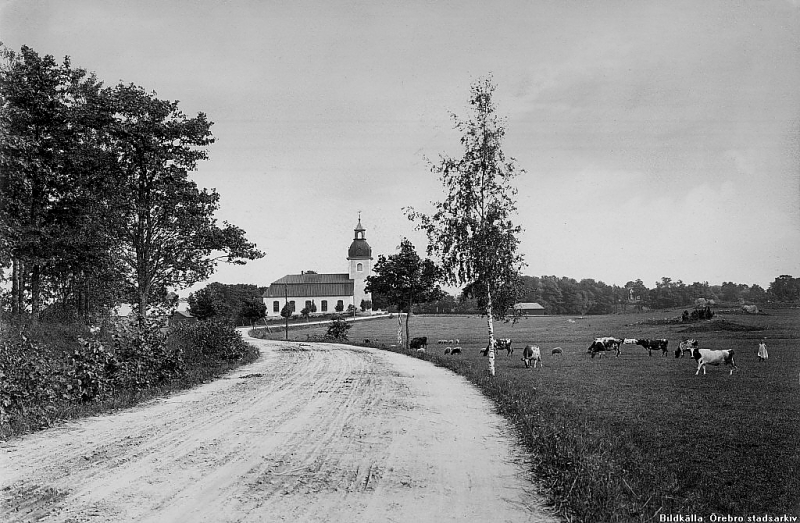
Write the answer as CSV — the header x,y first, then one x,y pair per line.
x,y
291,304
308,304
276,306
324,305
340,305
360,267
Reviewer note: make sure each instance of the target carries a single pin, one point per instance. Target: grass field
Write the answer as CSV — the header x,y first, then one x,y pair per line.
x,y
637,437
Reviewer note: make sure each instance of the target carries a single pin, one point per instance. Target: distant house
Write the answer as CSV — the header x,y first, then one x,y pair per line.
x,y
181,317
528,309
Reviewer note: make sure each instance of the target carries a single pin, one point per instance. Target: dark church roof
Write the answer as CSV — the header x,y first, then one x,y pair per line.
x,y
304,285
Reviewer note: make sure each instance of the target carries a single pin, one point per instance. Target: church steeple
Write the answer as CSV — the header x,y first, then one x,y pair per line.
x,y
360,258
359,249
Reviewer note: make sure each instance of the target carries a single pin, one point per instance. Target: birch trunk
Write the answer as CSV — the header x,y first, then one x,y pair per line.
x,y
15,292
490,324
399,329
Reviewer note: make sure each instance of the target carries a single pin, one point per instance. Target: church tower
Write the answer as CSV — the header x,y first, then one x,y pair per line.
x,y
360,257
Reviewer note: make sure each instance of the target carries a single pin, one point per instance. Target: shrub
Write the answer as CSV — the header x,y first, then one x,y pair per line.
x,y
337,329
91,372
208,340
143,355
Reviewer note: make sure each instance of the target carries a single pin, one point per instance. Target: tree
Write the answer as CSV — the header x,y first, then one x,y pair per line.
x,y
170,235
471,231
404,279
252,310
210,302
55,178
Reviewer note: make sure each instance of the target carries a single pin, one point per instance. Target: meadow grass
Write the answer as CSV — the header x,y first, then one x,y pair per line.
x,y
637,437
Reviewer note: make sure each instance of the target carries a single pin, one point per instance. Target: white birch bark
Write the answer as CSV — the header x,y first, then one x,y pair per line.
x,y
490,323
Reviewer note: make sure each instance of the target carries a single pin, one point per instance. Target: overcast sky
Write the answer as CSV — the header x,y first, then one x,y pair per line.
x,y
660,138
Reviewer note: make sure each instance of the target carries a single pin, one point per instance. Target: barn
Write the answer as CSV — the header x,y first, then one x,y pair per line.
x,y
528,309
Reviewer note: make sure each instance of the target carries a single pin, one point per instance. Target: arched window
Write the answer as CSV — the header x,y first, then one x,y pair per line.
x,y
360,267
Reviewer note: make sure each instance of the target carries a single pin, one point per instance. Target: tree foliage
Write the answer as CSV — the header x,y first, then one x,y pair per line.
x,y
471,230
404,279
96,203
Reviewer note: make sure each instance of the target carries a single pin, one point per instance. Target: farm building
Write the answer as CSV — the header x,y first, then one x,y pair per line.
x,y
325,291
528,309
181,317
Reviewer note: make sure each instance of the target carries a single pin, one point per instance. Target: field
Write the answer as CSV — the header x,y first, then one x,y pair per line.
x,y
636,437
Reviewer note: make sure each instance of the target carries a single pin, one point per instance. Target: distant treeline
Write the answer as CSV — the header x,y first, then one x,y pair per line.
x,y
568,296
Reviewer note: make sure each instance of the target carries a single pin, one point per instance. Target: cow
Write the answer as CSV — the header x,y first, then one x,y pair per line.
x,y
447,351
531,353
685,346
705,357
557,350
500,344
504,343
600,345
651,345
456,350
419,343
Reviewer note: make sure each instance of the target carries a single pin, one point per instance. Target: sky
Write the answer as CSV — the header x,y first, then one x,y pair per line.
x,y
658,138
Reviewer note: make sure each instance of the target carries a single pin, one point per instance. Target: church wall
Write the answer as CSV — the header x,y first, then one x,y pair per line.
x,y
300,303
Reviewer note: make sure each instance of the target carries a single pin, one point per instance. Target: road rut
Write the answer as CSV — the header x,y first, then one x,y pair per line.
x,y
310,432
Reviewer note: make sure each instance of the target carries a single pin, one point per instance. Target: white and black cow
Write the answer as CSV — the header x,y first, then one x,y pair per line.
x,y
705,357
601,345
685,346
532,354
419,343
500,344
651,345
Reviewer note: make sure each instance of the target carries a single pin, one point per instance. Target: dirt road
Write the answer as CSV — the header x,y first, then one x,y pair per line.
x,y
308,433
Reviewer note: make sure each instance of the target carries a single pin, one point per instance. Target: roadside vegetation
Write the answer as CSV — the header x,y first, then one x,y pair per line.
x,y
51,372
635,437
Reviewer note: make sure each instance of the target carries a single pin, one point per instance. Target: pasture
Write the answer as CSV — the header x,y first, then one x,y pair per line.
x,y
636,437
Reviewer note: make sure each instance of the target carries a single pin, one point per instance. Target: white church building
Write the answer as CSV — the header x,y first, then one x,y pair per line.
x,y
326,291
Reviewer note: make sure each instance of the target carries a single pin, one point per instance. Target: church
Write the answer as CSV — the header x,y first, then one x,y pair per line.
x,y
326,291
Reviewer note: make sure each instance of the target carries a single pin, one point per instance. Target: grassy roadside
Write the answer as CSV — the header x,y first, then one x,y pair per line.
x,y
636,438
48,375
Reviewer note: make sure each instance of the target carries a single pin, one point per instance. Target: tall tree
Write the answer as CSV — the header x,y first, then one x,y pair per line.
x,y
54,173
471,231
404,279
171,238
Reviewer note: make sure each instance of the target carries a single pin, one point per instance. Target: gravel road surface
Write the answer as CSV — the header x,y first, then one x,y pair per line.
x,y
310,432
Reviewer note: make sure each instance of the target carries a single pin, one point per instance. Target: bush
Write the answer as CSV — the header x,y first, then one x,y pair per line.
x,y
337,329
208,340
143,355
91,372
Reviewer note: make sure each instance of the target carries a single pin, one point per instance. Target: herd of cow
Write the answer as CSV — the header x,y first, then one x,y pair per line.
x,y
532,354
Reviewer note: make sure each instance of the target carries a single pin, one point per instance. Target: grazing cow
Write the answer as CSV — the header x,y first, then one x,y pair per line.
x,y
706,357
651,345
456,350
419,343
500,344
557,350
531,353
685,346
504,343
447,351
600,345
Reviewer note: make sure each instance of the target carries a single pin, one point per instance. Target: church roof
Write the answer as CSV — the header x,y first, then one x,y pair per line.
x,y
309,285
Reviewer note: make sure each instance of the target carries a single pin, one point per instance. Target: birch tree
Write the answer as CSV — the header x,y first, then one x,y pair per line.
x,y
471,230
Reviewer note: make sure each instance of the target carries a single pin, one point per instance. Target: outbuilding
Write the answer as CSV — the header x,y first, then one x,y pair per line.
x,y
528,309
